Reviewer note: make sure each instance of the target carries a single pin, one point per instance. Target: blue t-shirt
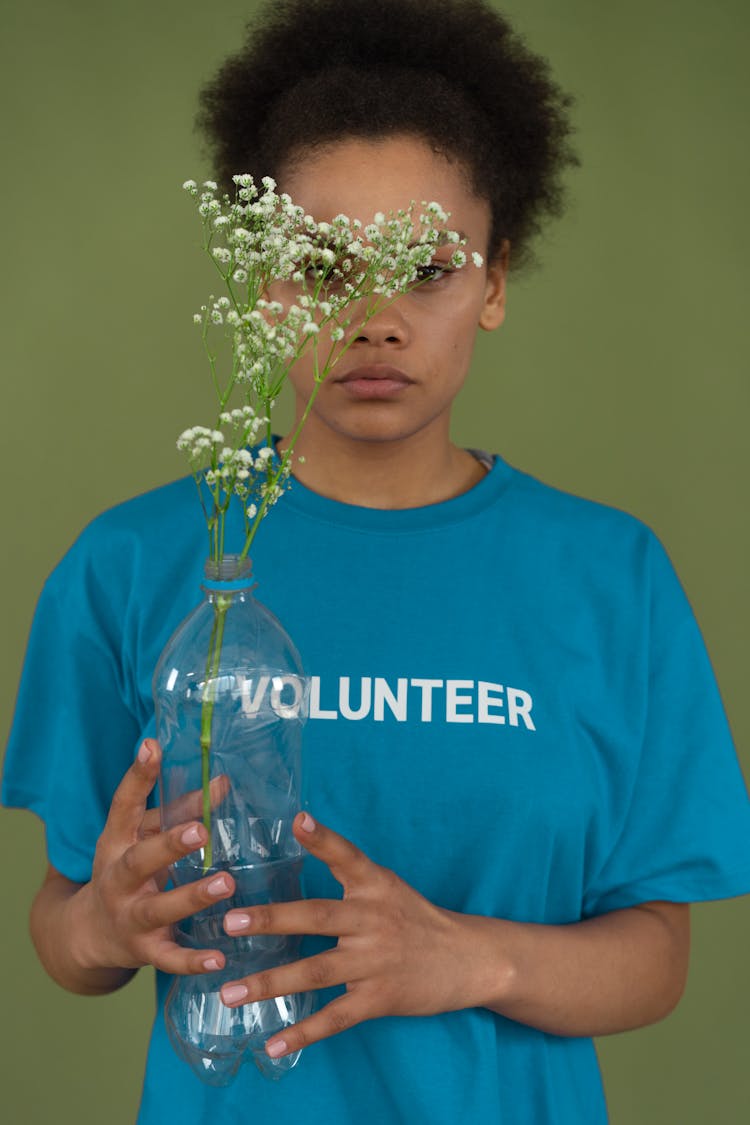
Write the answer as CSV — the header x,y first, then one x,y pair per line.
x,y
512,708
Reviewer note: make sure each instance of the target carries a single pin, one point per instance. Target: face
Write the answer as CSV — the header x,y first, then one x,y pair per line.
x,y
404,368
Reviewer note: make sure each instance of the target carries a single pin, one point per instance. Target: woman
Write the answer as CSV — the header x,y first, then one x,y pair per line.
x,y
504,773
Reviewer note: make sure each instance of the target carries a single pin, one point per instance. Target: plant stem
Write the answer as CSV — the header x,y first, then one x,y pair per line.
x,y
221,605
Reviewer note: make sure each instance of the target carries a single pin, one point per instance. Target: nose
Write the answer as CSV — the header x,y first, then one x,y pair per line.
x,y
386,328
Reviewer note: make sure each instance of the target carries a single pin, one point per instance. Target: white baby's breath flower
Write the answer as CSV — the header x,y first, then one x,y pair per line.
x,y
477,259
267,237
437,212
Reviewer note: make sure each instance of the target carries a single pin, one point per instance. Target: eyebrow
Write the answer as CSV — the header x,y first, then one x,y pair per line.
x,y
442,241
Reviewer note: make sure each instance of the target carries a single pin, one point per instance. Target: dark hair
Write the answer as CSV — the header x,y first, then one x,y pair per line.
x,y
450,71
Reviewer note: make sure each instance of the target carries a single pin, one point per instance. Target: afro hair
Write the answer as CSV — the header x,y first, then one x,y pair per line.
x,y
452,72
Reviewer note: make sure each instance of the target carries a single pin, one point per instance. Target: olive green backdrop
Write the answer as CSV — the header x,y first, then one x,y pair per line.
x,y
621,374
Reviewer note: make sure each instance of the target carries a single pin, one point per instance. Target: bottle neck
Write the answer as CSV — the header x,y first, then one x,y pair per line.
x,y
230,575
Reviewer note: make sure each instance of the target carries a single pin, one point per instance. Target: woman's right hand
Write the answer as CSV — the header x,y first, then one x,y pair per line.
x,y
122,919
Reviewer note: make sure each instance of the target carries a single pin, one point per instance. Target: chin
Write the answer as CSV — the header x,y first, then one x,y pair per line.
x,y
375,428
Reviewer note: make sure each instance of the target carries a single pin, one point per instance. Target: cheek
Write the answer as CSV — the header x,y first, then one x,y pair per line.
x,y
452,330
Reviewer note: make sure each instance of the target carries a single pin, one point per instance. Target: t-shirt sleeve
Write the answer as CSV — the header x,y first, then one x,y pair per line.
x,y
685,833
74,731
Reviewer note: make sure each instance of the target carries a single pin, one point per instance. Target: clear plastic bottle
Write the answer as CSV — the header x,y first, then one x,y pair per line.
x,y
231,674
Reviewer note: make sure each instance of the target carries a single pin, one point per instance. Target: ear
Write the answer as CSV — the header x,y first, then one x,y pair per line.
x,y
493,310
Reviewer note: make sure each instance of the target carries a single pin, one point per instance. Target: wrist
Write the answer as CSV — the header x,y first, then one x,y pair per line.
x,y
90,958
489,973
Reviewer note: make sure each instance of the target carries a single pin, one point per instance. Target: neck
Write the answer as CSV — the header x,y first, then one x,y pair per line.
x,y
409,472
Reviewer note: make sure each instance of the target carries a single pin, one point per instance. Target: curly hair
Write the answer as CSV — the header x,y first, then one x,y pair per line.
x,y
452,72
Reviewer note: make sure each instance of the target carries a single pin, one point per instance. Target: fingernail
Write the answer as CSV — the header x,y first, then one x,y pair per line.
x,y
233,993
144,753
218,886
276,1049
308,824
191,836
211,965
234,923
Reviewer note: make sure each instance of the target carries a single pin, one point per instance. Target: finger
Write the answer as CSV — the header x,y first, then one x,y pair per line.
x,y
151,823
328,916
190,805
187,807
129,801
322,971
154,911
146,858
341,1014
349,866
171,958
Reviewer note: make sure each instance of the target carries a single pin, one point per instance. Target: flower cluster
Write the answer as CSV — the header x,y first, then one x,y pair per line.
x,y
341,272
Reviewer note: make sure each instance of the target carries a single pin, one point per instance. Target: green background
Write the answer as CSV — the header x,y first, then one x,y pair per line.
x,y
620,374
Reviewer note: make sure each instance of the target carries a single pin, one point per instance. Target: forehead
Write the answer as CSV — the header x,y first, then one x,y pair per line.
x,y
360,176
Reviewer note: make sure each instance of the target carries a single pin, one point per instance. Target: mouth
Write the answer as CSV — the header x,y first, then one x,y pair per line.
x,y
377,380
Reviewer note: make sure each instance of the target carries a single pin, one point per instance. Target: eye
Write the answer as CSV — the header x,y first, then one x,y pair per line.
x,y
433,272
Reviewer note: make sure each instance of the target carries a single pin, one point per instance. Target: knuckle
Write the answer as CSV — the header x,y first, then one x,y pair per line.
x,y
198,897
144,914
129,860
320,973
262,987
261,919
339,1019
321,914
389,879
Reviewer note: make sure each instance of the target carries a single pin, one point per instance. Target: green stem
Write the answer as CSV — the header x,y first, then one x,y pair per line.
x,y
213,659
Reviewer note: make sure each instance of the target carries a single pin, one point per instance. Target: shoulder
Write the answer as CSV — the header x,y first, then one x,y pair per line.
x,y
583,552
576,527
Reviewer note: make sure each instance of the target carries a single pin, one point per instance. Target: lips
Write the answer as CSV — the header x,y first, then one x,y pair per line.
x,y
378,380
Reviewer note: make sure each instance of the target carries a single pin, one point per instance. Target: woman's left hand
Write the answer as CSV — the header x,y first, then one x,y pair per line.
x,y
397,953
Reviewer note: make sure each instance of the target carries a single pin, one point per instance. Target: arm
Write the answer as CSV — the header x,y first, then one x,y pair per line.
x,y
398,954
607,974
92,937
57,939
